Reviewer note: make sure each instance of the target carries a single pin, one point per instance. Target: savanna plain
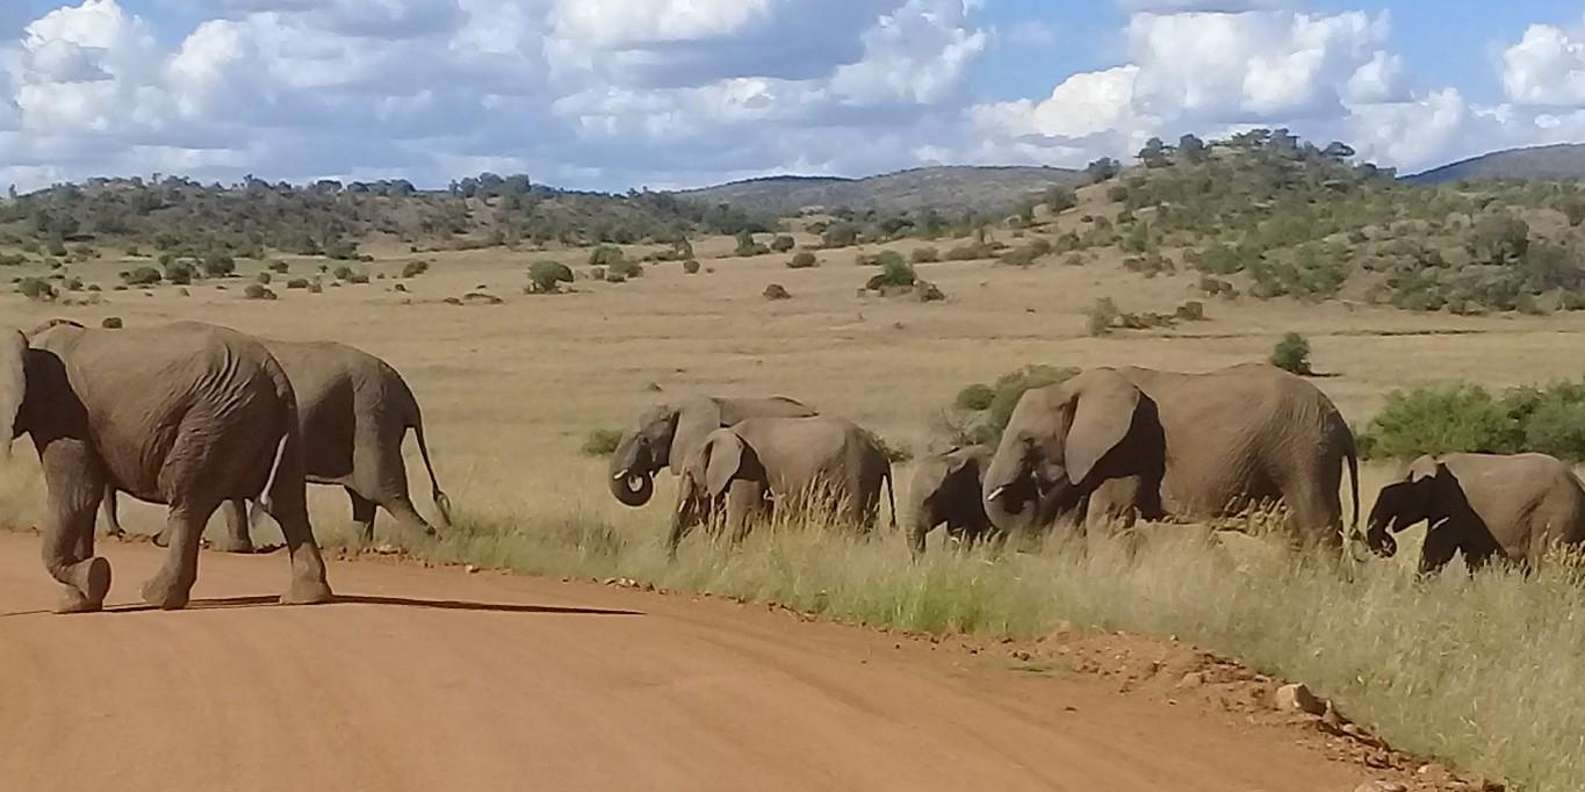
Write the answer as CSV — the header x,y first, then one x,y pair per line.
x,y
1480,672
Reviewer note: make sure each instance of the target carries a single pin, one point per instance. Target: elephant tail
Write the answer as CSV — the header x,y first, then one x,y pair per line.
x,y
266,500
1351,454
891,495
442,501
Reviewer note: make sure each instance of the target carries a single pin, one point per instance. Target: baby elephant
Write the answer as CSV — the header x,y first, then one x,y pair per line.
x,y
745,471
1511,507
946,489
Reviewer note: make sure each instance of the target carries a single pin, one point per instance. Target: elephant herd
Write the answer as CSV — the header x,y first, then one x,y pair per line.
x,y
198,417
1105,448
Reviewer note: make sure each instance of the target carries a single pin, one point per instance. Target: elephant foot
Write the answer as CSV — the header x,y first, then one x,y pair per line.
x,y
308,592
162,592
90,582
233,545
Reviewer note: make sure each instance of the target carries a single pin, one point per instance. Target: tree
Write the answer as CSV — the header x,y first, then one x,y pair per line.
x,y
1060,199
1102,169
1338,150
1155,154
546,277
839,235
1292,354
1193,149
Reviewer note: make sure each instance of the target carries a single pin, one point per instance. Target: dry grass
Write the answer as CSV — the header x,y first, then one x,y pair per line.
x,y
1479,671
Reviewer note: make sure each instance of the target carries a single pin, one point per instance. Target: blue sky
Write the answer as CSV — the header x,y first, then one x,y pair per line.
x,y
609,94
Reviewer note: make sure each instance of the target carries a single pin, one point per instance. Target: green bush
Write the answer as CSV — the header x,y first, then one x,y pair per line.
x,y
601,442
279,267
180,273
342,272
980,412
257,291
783,243
895,272
690,267
358,277
925,255
746,246
218,264
36,289
297,283
1292,354
1441,420
142,276
413,269
624,269
264,278
546,277
1102,315
885,258
803,260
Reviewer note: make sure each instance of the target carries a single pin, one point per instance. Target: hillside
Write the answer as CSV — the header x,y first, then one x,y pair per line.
x,y
1541,163
945,189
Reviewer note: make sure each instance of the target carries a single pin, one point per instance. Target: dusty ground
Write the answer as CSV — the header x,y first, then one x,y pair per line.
x,y
435,679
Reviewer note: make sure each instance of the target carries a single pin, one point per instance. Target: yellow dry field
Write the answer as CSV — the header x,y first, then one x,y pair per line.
x,y
511,390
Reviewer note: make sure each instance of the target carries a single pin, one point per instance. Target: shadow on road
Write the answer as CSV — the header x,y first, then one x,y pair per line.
x,y
223,603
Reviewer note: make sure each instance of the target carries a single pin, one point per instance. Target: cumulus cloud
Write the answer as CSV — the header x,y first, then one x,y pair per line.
x,y
1545,68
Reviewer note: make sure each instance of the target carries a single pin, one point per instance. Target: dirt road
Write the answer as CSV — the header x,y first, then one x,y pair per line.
x,y
439,680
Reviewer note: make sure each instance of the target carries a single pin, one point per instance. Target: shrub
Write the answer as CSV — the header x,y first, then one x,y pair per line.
x,y
1101,316
601,442
315,287
142,276
1292,354
882,259
257,291
358,277
263,278
112,323
803,260
925,255
972,251
36,289
180,273
546,277
894,273
297,283
783,243
219,264
839,235
279,267
1441,420
690,267
624,268
926,292
413,269
342,272
979,413
776,291
746,246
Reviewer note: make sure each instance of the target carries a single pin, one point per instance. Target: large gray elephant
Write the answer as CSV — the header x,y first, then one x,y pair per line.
x,y
1486,506
1122,443
665,436
188,415
762,464
355,410
945,489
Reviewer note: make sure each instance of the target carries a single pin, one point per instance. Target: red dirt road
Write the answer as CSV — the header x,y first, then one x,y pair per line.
x,y
438,680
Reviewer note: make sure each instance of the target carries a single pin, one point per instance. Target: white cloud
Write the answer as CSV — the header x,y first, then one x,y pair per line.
x,y
1545,68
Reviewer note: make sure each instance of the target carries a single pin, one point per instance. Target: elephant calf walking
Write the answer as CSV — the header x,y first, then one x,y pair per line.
x,y
1486,506
761,464
945,488
355,410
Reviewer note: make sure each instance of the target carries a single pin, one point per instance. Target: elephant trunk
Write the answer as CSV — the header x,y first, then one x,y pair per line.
x,y
632,477
1008,494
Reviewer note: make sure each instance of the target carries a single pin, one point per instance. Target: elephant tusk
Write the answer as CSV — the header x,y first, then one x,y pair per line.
x,y
681,507
995,493
620,476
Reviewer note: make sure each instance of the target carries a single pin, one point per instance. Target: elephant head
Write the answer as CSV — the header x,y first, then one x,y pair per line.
x,y
724,458
1055,439
35,396
1410,500
642,452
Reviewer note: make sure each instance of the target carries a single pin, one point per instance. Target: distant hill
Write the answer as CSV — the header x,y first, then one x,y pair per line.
x,y
944,188
1541,163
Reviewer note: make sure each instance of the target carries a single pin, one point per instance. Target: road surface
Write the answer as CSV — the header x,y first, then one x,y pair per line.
x,y
439,680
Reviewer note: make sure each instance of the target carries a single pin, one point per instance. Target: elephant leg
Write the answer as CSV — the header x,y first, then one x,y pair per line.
x,y
674,537
75,482
172,586
401,507
743,502
362,515
1114,506
1439,548
112,518
288,504
237,538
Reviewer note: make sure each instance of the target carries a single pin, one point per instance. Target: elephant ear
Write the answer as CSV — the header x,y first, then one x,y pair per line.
x,y
1104,404
695,420
728,456
13,386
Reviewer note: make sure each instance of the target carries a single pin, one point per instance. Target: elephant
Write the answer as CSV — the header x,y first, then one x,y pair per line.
x,y
759,464
1117,444
188,415
945,488
1488,506
355,410
666,435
